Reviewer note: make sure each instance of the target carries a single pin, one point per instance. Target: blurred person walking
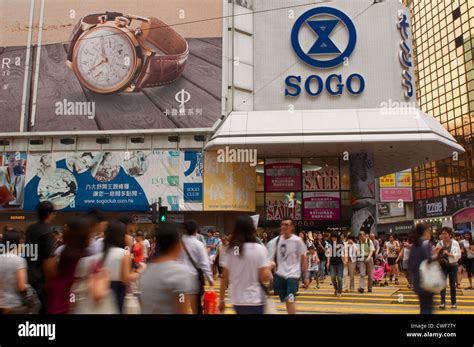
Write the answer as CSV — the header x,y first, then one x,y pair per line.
x,y
313,266
321,246
421,250
468,260
350,259
13,275
166,283
41,266
392,249
245,270
195,257
76,240
403,259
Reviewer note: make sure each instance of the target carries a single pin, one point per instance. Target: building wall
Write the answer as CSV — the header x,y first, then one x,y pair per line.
x,y
443,39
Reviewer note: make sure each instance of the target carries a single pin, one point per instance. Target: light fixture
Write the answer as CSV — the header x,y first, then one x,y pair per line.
x,y
36,142
137,140
199,138
4,143
67,141
173,138
102,140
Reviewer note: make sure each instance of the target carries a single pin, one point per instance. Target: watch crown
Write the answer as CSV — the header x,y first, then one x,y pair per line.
x,y
138,32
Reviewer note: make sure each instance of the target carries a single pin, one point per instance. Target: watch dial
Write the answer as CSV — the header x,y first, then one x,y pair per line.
x,y
105,59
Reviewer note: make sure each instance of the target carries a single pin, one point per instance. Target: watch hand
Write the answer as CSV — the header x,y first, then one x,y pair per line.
x,y
102,48
95,66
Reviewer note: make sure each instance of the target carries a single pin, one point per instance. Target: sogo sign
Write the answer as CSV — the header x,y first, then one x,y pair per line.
x,y
314,85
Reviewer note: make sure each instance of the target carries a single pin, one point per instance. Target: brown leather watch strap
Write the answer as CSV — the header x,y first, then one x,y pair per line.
x,y
161,69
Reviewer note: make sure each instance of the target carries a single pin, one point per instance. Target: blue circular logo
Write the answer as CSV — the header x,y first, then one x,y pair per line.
x,y
323,29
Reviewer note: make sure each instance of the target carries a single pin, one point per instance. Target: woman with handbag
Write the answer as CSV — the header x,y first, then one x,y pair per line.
x,y
245,269
422,250
13,276
449,254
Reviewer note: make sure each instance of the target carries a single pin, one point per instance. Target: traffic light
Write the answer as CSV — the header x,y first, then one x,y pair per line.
x,y
154,213
163,213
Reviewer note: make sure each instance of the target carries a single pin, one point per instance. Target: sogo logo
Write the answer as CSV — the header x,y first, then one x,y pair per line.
x,y
324,46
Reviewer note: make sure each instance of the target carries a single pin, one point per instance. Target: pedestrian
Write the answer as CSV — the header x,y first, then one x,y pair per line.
x,y
392,249
350,259
13,274
245,270
365,261
265,238
376,244
42,266
449,254
421,250
166,282
138,250
304,237
115,258
289,257
403,258
96,245
76,241
195,257
146,247
467,245
321,246
131,229
335,262
313,266
212,243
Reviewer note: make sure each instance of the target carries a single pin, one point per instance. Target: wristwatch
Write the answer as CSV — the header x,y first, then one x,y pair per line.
x,y
108,56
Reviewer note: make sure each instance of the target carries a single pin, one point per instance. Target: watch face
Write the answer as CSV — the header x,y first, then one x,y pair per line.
x,y
104,59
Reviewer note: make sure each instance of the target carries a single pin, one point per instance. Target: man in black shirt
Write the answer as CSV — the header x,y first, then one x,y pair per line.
x,y
40,236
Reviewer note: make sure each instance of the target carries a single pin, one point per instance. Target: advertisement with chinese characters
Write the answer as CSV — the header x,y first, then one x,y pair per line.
x,y
12,179
282,175
322,206
115,181
396,187
228,186
110,65
280,205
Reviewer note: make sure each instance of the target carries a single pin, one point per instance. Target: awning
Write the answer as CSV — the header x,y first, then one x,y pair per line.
x,y
466,215
398,138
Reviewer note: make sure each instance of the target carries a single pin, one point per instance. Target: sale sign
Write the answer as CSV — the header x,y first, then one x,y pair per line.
x,y
282,175
327,178
322,206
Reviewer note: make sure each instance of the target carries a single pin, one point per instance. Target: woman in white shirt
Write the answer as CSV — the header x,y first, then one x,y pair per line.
x,y
449,254
350,260
245,269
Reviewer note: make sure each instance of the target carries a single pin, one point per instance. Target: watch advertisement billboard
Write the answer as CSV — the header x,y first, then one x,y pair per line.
x,y
115,181
110,65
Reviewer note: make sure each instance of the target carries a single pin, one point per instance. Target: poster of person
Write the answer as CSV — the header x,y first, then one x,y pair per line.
x,y
59,188
363,193
12,179
114,181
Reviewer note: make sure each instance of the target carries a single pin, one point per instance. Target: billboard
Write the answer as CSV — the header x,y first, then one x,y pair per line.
x,y
115,181
110,65
282,175
396,187
322,206
228,186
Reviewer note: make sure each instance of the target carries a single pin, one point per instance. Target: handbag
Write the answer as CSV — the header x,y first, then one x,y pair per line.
x,y
432,278
200,278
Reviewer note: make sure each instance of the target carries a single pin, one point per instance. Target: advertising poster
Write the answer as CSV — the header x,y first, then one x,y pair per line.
x,y
115,181
322,206
110,65
396,187
282,175
327,178
12,179
280,205
228,186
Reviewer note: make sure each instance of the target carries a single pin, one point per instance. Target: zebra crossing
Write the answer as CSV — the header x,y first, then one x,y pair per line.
x,y
391,299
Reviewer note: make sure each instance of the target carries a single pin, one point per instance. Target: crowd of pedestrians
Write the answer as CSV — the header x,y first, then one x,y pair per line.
x,y
100,265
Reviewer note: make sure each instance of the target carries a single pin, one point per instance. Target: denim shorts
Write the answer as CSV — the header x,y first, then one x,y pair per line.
x,y
286,287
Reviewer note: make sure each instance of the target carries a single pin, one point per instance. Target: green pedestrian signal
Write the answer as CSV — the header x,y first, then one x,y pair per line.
x,y
163,212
